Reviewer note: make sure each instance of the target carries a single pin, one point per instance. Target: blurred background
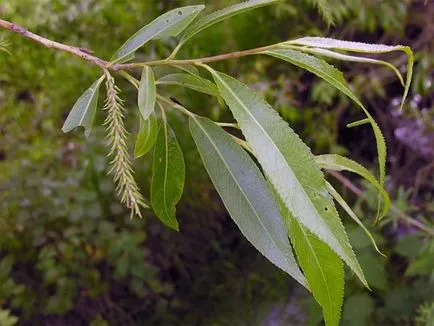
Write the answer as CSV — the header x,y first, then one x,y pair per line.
x,y
69,253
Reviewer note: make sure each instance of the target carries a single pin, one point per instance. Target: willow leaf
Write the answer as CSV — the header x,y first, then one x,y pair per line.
x,y
147,93
289,165
168,174
350,212
83,111
146,136
222,14
172,23
339,163
330,43
322,268
352,58
333,76
193,82
245,194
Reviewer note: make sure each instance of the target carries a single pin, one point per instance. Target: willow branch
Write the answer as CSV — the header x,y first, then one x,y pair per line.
x,y
105,65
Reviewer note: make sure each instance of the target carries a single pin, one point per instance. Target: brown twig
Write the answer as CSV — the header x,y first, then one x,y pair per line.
x,y
401,215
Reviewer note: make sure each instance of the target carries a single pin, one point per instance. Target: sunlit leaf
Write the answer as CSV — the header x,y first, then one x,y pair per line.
x,y
222,14
245,194
146,136
332,75
339,163
147,93
329,43
168,174
172,23
190,81
289,165
83,111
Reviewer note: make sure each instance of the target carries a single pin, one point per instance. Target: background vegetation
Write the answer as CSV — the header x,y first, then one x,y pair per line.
x,y
70,255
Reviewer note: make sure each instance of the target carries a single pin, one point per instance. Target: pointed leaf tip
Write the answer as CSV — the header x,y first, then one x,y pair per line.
x,y
83,111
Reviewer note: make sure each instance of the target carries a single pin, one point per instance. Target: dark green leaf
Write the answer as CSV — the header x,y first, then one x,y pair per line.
x,y
245,194
168,174
83,111
171,23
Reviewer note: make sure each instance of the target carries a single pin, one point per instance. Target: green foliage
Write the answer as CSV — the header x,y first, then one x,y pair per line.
x,y
124,257
245,194
6,319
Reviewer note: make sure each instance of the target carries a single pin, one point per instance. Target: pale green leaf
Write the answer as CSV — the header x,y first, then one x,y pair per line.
x,y
222,14
193,82
289,165
146,136
168,174
352,58
322,268
350,212
339,163
332,75
329,43
147,93
245,194
83,111
172,23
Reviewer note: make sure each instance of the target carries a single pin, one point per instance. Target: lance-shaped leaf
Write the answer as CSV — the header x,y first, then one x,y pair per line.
x,y
168,175
353,215
333,76
147,93
172,23
289,165
352,58
339,163
222,14
321,266
83,111
245,194
146,136
329,43
193,82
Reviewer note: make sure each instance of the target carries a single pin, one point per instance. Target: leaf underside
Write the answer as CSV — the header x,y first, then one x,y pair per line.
x,y
245,194
83,111
147,93
289,165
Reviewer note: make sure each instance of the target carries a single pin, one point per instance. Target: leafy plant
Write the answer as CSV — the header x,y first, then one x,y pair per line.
x,y
290,202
